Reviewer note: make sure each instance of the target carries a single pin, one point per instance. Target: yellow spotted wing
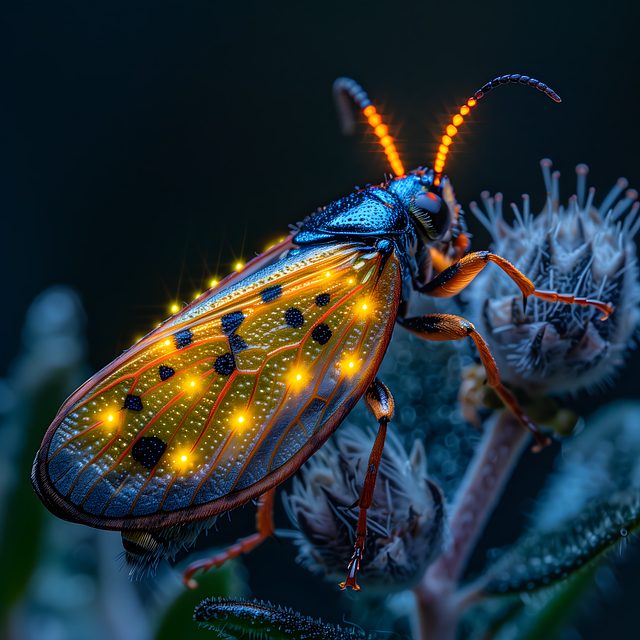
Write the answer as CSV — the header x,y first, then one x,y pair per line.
x,y
225,399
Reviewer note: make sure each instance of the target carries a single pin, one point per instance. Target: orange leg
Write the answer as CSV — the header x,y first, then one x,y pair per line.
x,y
441,259
454,279
264,526
379,401
439,327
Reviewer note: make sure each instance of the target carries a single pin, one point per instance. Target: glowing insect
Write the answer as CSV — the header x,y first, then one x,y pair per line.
x,y
229,396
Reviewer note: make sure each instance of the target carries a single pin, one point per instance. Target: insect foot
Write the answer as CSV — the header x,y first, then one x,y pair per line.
x,y
586,250
406,520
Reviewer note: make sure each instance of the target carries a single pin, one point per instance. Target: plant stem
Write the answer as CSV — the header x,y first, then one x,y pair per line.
x,y
439,606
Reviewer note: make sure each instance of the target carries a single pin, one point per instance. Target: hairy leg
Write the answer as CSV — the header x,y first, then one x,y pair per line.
x,y
264,526
440,327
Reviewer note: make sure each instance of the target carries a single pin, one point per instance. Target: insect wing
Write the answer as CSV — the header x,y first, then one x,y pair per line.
x,y
225,399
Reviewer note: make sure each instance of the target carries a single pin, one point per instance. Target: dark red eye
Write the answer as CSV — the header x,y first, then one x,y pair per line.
x,y
436,212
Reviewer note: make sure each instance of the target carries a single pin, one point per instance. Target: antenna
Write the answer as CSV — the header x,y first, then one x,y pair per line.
x,y
458,119
346,88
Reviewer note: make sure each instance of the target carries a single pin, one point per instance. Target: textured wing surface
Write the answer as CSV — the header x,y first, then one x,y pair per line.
x,y
225,392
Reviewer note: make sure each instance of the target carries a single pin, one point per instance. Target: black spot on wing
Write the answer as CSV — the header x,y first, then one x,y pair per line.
x,y
132,402
231,321
237,343
147,450
321,334
323,299
183,339
293,317
225,364
271,293
165,372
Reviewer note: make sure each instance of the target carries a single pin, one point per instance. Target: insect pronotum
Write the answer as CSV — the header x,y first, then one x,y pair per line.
x,y
231,395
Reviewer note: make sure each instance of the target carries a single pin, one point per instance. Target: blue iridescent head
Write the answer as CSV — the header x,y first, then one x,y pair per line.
x,y
432,206
412,207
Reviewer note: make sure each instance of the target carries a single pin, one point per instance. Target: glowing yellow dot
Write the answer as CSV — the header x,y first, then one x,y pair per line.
x,y
238,266
110,418
184,458
328,273
298,377
351,365
214,283
364,307
167,343
240,419
196,296
193,384
457,120
174,308
464,110
350,281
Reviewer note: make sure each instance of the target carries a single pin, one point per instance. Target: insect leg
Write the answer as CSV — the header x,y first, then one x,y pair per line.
x,y
440,327
454,279
379,401
265,529
441,257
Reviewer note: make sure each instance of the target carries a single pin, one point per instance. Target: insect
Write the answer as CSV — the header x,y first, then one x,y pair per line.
x,y
230,396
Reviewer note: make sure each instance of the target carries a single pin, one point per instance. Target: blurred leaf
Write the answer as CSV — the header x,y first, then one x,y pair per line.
x,y
542,558
44,373
549,620
24,514
602,459
537,584
225,581
540,615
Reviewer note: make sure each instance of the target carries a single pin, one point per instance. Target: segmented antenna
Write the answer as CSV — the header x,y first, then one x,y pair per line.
x,y
345,88
458,119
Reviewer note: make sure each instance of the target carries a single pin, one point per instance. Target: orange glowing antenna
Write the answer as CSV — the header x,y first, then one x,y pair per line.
x,y
345,89
458,119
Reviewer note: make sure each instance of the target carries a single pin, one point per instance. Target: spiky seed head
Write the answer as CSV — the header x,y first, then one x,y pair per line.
x,y
406,521
579,249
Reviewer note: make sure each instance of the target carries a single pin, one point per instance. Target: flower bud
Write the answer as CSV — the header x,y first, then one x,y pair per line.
x,y
580,250
405,522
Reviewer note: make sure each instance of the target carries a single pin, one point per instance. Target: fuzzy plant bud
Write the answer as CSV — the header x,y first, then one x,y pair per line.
x,y
405,523
580,249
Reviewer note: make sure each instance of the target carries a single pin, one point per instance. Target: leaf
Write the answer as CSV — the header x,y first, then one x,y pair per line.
x,y
226,580
542,558
230,619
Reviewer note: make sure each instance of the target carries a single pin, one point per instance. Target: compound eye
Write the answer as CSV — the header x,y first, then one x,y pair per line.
x,y
426,179
433,213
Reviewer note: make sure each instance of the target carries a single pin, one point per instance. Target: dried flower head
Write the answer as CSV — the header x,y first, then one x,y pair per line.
x,y
405,522
581,250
